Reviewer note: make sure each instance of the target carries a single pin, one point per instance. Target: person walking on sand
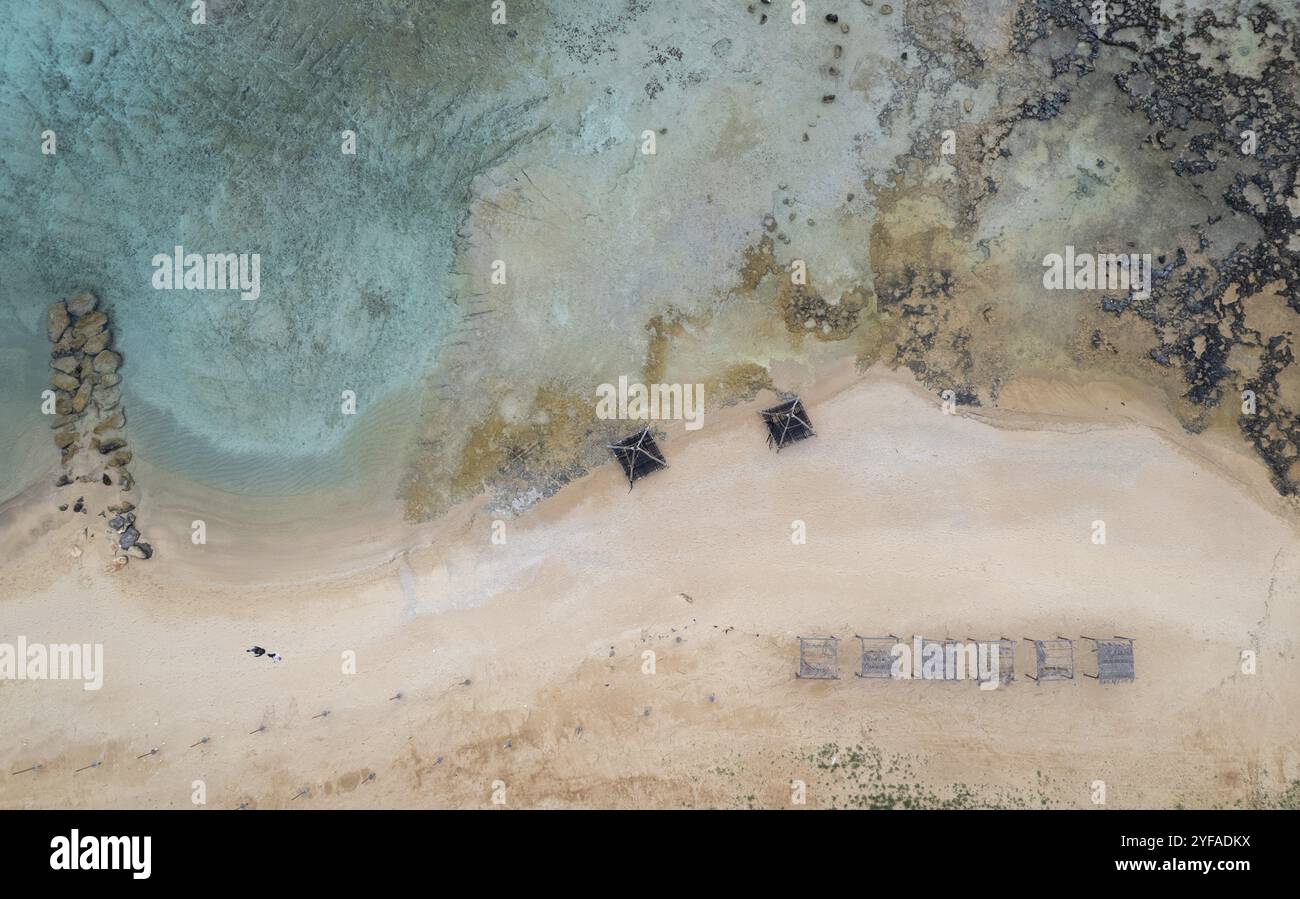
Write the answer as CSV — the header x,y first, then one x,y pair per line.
x,y
274,656
257,651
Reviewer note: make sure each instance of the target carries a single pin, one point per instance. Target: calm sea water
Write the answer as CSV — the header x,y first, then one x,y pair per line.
x,y
226,138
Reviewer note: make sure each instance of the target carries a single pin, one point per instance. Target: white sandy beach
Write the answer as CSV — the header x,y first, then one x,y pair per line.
x,y
522,663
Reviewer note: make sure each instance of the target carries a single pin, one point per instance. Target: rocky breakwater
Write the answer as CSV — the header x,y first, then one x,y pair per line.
x,y
89,425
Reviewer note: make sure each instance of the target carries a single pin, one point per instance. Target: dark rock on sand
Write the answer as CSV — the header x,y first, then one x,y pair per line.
x,y
128,538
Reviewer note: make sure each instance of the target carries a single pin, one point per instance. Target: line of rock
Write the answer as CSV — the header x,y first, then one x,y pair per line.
x,y
88,406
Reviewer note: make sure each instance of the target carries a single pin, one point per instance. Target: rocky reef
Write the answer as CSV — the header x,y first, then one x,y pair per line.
x,y
652,176
1218,92
885,185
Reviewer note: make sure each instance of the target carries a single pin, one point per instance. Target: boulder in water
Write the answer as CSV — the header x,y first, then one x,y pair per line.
x,y
114,422
56,321
107,361
82,302
107,397
89,325
82,398
68,344
97,343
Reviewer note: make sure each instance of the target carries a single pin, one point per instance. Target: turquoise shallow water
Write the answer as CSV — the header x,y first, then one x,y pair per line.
x,y
225,138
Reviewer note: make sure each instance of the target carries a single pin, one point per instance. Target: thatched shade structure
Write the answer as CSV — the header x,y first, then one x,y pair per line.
x,y
786,424
639,455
